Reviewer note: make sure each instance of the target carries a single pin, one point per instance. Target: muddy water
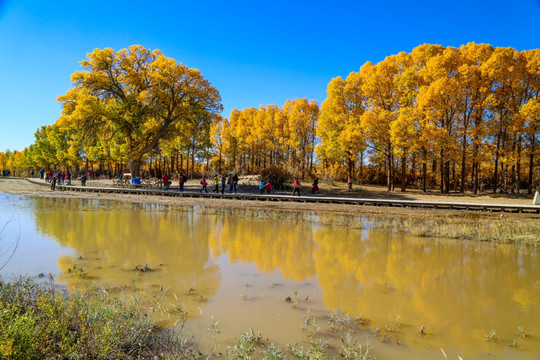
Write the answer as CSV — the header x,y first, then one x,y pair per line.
x,y
237,267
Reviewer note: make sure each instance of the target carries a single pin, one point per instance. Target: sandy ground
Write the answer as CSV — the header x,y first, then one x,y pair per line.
x,y
24,187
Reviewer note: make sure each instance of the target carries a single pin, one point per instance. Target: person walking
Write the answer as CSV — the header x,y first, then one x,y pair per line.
x,y
261,187
53,183
230,183
296,188
350,183
315,186
235,182
216,184
181,181
165,180
223,181
203,183
268,187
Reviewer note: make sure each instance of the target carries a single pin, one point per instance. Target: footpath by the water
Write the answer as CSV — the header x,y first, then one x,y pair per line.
x,y
248,194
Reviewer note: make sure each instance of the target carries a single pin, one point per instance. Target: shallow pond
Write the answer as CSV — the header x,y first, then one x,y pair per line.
x,y
236,267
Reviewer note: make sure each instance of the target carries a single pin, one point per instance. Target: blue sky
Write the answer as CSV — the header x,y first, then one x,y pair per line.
x,y
254,52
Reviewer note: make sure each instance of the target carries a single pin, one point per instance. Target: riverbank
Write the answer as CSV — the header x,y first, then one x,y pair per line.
x,y
469,225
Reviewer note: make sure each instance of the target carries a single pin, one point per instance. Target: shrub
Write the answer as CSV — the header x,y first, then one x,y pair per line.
x,y
39,322
277,176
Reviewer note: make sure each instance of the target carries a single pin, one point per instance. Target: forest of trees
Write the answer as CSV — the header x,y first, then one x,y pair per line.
x,y
445,118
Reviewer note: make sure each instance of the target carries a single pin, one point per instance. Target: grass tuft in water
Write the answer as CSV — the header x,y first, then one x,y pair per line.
x,y
245,347
317,351
273,353
492,336
340,321
521,333
352,349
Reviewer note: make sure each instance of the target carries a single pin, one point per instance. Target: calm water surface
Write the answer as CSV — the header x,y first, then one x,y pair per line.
x,y
237,267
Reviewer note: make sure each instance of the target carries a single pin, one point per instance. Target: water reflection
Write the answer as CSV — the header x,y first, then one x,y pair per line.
x,y
458,290
119,245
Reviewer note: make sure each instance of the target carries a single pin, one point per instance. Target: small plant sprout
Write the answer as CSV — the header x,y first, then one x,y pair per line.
x,y
492,336
79,271
310,328
521,333
340,321
246,346
273,353
399,320
180,311
215,331
351,349
297,352
318,350
361,320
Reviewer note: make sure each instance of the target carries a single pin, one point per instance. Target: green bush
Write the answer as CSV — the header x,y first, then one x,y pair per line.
x,y
39,322
277,176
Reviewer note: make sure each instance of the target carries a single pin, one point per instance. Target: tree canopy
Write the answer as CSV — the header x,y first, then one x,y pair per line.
x,y
453,118
135,96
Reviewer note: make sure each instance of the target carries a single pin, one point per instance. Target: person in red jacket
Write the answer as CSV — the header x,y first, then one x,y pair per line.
x,y
166,183
181,181
296,188
203,183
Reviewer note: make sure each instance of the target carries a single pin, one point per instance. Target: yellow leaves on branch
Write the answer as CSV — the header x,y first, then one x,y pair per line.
x,y
138,94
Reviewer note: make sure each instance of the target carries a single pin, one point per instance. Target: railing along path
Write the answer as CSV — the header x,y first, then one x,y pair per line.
x,y
324,199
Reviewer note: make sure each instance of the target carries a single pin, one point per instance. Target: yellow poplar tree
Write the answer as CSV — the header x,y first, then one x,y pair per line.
x,y
138,93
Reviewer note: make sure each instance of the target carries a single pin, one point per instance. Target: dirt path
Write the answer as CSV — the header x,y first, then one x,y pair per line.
x,y
23,187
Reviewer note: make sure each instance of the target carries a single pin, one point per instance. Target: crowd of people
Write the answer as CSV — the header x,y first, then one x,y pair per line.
x,y
231,181
61,177
220,182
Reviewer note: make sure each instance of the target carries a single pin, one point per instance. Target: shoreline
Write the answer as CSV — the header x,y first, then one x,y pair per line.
x,y
22,186
509,228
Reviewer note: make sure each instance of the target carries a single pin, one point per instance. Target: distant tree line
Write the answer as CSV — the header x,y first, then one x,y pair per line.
x,y
451,118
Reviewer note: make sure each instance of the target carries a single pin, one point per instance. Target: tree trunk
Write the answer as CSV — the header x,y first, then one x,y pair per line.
x,y
475,169
349,166
193,161
513,178
389,172
361,167
134,167
403,163
463,158
441,188
424,177
518,165
531,166
504,173
495,174
447,174
181,162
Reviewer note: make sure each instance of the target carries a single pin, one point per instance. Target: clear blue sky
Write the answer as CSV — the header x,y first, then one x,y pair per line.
x,y
254,52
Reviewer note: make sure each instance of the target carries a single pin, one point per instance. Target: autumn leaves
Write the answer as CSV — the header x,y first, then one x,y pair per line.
x,y
455,118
